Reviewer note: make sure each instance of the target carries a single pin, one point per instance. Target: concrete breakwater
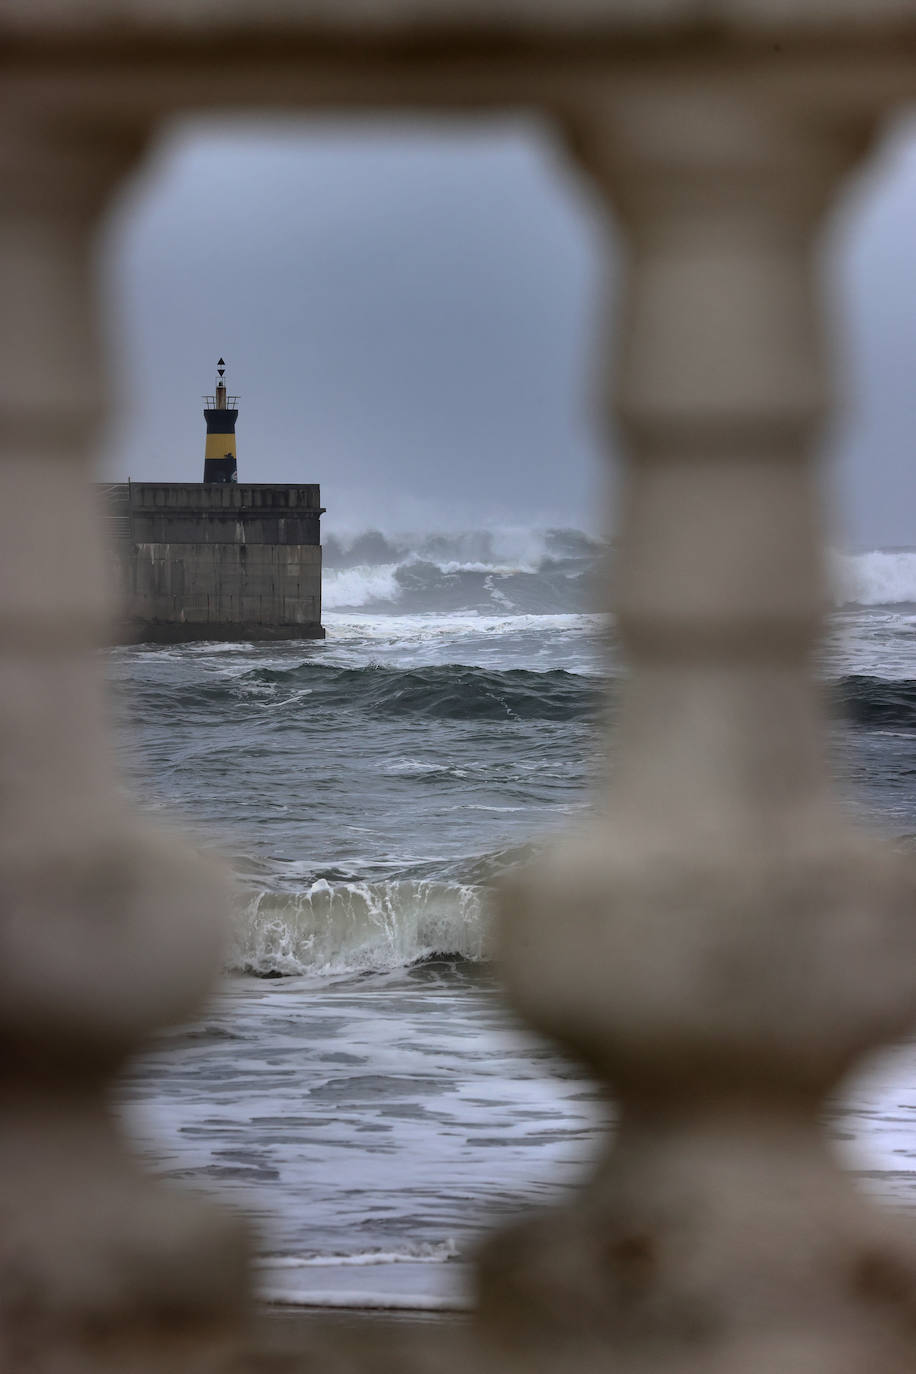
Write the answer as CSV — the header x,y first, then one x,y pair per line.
x,y
199,561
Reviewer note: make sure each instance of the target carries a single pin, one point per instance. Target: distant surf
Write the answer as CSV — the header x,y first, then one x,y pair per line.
x,y
882,577
514,571
536,571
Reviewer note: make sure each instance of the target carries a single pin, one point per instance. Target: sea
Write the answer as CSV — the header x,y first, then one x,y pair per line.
x,y
356,1084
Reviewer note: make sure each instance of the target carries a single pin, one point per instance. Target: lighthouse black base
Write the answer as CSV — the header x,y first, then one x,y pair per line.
x,y
220,469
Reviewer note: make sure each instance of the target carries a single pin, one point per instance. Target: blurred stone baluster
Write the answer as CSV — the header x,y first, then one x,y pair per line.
x,y
720,943
108,927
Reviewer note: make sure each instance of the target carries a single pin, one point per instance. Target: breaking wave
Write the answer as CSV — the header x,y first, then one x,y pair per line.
x,y
509,570
366,585
883,577
535,572
346,928
421,1253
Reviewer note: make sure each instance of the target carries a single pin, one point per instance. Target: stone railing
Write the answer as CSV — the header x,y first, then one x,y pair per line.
x,y
719,944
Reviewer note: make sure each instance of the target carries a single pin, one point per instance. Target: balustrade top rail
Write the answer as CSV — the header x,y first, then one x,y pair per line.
x,y
359,21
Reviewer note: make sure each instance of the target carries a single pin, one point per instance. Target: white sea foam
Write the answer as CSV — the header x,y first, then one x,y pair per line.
x,y
424,625
366,1299
353,927
416,768
880,578
359,586
478,639
416,1254
453,565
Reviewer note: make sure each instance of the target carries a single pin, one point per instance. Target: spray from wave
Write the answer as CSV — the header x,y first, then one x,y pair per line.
x,y
883,577
347,928
509,570
515,571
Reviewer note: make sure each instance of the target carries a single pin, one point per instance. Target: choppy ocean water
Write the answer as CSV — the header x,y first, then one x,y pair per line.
x,y
356,1084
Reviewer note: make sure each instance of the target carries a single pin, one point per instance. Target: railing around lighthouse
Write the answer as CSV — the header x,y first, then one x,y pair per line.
x,y
719,943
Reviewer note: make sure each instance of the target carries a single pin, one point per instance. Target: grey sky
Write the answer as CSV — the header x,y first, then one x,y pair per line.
x,y
407,312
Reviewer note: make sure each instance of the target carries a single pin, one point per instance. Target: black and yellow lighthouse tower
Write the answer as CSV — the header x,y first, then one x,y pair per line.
x,y
220,413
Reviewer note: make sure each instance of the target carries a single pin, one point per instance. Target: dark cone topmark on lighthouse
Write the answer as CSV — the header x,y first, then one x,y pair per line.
x,y
220,414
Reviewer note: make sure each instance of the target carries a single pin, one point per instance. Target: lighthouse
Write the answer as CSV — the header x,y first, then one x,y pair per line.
x,y
220,414
217,559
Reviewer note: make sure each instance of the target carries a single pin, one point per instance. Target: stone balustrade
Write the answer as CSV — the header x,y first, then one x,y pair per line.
x,y
719,943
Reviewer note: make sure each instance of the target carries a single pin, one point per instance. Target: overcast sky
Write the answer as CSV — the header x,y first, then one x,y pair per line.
x,y
407,312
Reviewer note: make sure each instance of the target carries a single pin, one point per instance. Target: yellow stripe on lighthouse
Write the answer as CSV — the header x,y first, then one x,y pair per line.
x,y
219,445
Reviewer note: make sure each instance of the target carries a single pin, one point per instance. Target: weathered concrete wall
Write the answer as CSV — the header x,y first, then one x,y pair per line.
x,y
216,562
